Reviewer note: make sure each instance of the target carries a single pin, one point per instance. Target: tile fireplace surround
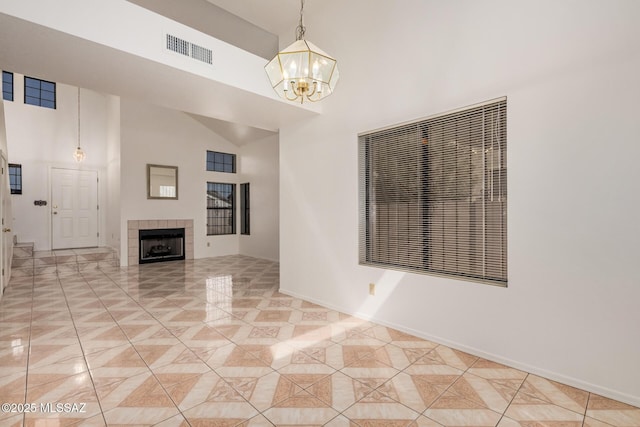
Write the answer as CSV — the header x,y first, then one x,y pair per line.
x,y
133,226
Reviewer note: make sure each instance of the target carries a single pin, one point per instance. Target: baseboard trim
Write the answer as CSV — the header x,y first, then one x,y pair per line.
x,y
555,376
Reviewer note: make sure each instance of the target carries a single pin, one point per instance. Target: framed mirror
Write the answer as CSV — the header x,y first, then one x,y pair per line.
x,y
162,182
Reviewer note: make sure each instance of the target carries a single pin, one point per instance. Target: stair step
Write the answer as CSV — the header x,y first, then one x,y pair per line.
x,y
66,261
23,250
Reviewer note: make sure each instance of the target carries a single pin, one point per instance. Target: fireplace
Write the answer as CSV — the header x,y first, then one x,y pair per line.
x,y
133,236
164,244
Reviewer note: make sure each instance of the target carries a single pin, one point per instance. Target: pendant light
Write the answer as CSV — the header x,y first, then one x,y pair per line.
x,y
79,154
302,70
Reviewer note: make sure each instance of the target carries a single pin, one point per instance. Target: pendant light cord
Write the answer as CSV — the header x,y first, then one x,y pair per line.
x,y
300,30
78,117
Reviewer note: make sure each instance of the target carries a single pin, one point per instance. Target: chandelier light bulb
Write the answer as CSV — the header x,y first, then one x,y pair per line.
x,y
79,155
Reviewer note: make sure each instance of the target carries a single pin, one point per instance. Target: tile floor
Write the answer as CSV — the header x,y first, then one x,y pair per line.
x,y
213,343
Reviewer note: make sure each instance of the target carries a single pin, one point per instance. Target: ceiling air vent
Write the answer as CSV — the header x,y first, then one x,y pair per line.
x,y
178,45
186,48
201,53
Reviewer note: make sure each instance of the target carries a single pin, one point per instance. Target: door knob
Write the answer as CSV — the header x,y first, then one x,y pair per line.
x,y
55,213
6,230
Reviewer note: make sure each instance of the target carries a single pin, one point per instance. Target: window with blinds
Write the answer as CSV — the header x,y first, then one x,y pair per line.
x,y
245,209
221,208
433,195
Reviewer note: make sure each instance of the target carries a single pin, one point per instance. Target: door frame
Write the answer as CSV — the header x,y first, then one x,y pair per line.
x,y
50,210
6,237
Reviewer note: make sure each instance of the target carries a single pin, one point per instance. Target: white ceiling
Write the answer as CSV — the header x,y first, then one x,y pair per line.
x,y
234,132
275,16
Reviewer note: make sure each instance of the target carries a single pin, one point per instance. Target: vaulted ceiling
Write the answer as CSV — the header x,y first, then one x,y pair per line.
x,y
275,16
237,116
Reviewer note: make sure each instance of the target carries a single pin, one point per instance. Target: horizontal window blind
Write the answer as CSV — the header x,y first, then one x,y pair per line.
x,y
221,208
433,195
245,209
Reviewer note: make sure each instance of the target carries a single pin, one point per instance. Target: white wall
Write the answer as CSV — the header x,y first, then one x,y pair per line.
x,y
259,167
155,135
140,33
217,22
3,133
112,234
569,69
41,138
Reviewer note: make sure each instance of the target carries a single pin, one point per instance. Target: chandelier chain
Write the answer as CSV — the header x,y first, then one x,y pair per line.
x,y
78,117
78,154
301,29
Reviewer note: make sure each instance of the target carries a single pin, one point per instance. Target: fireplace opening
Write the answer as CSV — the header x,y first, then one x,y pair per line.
x,y
166,244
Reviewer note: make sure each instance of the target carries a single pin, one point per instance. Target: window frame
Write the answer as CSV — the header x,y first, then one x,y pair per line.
x,y
17,187
213,165
245,209
230,210
434,201
8,95
38,100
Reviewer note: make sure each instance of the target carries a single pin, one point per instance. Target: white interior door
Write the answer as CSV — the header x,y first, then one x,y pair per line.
x,y
6,237
74,208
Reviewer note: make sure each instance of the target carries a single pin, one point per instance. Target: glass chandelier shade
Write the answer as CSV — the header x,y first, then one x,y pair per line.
x,y
303,71
78,155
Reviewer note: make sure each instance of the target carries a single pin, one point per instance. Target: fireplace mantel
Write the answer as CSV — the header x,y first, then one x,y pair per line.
x,y
134,226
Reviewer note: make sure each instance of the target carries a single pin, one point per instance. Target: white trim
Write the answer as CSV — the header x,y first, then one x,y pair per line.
x,y
555,376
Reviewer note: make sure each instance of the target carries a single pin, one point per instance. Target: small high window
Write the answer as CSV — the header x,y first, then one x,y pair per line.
x,y
15,178
221,162
39,92
7,86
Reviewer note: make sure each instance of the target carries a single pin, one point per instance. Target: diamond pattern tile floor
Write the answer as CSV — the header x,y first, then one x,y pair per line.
x,y
213,342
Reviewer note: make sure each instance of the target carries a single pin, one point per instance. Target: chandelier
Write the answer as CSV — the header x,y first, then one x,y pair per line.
x,y
302,70
78,155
